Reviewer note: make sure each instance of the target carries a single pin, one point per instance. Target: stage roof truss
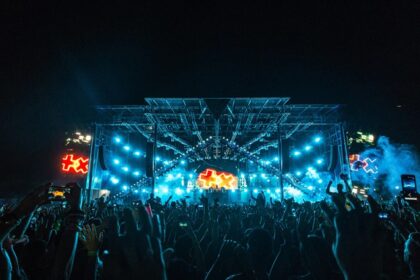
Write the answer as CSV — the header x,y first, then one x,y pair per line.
x,y
251,122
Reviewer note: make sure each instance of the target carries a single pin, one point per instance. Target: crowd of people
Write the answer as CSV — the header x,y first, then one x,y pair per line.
x,y
345,238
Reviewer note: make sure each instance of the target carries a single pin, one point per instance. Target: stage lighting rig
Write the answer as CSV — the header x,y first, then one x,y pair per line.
x,y
79,138
362,138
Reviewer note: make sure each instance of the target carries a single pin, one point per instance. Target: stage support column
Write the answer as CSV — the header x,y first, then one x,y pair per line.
x,y
346,152
92,155
280,156
154,158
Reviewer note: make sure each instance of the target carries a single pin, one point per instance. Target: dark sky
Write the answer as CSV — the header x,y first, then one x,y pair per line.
x,y
60,58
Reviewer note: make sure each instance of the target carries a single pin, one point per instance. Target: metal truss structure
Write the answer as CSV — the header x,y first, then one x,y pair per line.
x,y
252,125
251,122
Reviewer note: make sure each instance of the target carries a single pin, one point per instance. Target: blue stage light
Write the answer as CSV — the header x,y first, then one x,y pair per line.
x,y
242,175
310,168
114,180
127,148
137,153
156,190
233,190
319,161
246,190
125,168
320,181
165,189
263,175
298,173
267,162
179,175
136,191
200,190
311,188
170,176
143,190
293,191
125,187
157,158
188,190
136,173
268,190
308,148
166,162
276,159
255,191
116,161
317,139
183,162
190,175
277,190
297,153
117,139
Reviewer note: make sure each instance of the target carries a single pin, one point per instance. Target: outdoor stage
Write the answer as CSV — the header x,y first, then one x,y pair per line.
x,y
168,145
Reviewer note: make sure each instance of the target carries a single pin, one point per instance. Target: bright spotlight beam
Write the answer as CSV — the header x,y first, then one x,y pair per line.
x,y
297,153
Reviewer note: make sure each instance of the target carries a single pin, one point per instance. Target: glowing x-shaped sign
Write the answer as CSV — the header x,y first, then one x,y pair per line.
x,y
71,163
357,163
369,167
210,178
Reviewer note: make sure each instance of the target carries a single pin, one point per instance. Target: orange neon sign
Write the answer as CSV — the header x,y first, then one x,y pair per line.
x,y
71,163
212,179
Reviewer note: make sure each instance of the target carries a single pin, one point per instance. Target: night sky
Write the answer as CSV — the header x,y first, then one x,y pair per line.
x,y
60,58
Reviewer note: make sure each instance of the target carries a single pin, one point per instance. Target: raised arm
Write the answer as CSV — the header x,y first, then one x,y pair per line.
x,y
328,190
12,219
253,197
346,182
63,264
167,202
91,239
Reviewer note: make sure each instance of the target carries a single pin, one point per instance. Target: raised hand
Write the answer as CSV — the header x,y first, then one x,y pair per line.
x,y
343,176
227,248
91,239
358,244
150,237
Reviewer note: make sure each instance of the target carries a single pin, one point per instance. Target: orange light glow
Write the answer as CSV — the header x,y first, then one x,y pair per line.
x,y
71,163
212,179
58,193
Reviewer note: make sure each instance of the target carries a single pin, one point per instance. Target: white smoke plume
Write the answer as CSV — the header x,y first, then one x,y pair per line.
x,y
392,161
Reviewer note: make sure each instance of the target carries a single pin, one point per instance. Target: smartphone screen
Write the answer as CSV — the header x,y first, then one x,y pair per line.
x,y
408,183
183,225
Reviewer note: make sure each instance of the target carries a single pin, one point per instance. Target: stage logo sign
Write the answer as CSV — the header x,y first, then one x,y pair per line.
x,y
213,179
75,164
